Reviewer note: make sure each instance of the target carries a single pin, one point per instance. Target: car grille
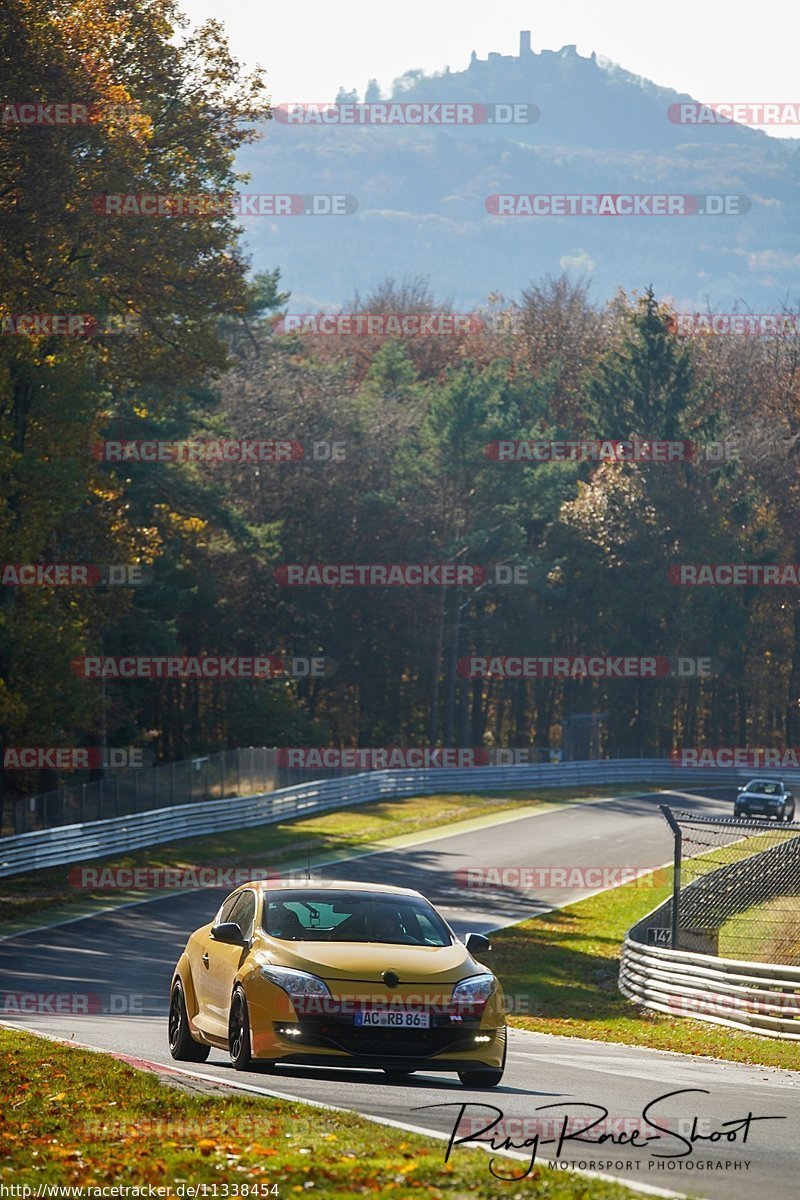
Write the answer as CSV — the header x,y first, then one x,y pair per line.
x,y
443,1036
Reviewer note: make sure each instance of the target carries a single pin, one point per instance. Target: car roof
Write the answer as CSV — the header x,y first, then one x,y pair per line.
x,y
762,782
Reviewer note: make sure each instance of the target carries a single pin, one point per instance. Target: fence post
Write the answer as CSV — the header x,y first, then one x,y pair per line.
x,y
676,876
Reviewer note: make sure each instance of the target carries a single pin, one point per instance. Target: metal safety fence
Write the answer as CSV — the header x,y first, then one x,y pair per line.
x,y
84,840
246,771
757,997
725,947
254,770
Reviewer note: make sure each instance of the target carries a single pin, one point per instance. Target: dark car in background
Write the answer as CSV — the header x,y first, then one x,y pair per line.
x,y
765,798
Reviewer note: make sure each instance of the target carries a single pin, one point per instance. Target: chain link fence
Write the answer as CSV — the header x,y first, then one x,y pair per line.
x,y
242,772
737,890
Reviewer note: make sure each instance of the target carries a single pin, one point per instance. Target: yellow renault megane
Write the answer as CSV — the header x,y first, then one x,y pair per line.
x,y
338,974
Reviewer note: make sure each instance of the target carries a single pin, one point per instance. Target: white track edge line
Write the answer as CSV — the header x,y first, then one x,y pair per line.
x,y
643,1188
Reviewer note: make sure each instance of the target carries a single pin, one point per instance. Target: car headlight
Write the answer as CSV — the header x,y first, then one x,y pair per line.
x,y
474,992
298,985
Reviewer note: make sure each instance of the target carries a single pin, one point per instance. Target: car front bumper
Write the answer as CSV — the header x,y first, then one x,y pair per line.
x,y
453,1041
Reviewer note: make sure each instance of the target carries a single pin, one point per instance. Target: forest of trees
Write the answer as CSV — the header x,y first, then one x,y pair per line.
x,y
415,484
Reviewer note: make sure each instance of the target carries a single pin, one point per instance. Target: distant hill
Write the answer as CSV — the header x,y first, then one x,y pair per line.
x,y
421,192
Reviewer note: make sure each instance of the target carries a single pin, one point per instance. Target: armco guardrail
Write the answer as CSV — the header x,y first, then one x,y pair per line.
x,y
757,997
115,835
246,771
687,981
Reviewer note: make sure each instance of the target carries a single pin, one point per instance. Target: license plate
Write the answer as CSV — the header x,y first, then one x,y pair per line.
x,y
397,1018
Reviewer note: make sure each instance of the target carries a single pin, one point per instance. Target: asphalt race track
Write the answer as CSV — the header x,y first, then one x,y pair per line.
x,y
125,960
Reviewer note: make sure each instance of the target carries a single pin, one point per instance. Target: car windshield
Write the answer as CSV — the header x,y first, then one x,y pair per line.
x,y
766,789
333,916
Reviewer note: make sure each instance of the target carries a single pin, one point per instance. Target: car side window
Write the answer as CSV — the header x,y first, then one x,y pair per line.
x,y
427,929
243,912
227,906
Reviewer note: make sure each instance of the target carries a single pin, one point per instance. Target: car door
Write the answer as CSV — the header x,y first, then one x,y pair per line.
x,y
200,965
224,962
205,981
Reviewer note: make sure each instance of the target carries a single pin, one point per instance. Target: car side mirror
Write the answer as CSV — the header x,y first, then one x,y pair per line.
x,y
476,943
740,789
228,932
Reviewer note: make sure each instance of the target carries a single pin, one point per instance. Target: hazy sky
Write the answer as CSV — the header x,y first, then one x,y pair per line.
x,y
714,49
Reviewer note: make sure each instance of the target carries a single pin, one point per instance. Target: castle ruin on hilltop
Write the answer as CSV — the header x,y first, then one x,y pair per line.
x,y
526,54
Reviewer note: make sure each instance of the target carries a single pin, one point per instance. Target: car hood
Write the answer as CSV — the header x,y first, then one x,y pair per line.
x,y
759,796
366,961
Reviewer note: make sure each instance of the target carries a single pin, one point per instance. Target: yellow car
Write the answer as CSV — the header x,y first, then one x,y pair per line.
x,y
338,974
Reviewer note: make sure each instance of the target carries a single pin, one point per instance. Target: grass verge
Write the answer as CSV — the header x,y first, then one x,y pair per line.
x,y
565,964
766,932
356,828
70,1117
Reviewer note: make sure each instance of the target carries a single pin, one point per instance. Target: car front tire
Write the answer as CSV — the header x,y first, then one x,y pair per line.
x,y
182,1045
485,1077
239,1031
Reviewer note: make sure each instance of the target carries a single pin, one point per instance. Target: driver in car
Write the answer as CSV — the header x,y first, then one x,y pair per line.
x,y
386,927
284,923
